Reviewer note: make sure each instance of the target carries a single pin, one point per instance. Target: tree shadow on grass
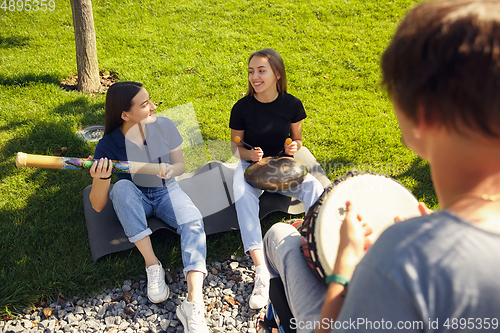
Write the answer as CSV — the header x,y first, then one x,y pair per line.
x,y
13,124
90,113
46,137
28,79
44,245
43,228
42,139
13,41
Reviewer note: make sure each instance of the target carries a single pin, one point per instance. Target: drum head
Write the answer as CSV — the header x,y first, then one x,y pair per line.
x,y
376,197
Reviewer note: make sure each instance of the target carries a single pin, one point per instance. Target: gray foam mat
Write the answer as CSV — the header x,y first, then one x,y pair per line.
x,y
214,200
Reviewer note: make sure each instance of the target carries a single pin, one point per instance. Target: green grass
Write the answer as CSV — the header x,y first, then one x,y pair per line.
x,y
183,52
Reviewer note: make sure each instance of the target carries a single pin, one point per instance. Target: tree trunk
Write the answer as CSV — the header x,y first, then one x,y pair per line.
x,y
86,51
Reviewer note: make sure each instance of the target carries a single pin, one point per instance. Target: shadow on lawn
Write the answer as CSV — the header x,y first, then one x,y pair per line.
x,y
420,172
27,79
91,113
44,245
13,41
45,137
44,240
58,195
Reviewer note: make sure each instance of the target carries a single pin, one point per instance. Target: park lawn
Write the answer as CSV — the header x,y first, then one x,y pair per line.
x,y
189,52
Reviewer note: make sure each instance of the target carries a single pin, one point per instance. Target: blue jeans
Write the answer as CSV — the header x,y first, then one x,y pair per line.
x,y
247,204
133,205
305,293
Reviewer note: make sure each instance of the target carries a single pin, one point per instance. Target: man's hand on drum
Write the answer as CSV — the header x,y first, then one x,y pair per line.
x,y
357,237
353,242
291,149
256,154
422,208
101,169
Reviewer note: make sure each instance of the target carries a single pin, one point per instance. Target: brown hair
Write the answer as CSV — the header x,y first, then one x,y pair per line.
x,y
277,65
445,57
118,99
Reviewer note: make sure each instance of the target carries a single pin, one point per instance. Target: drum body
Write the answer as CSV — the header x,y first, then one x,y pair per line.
x,y
276,173
376,197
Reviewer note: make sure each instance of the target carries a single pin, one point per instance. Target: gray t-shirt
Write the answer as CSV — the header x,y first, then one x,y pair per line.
x,y
435,273
162,136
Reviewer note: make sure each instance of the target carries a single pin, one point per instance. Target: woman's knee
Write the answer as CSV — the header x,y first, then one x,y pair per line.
x,y
194,227
279,231
123,187
125,193
312,183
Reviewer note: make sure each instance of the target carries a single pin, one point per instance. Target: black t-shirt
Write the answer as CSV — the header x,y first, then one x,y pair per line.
x,y
266,125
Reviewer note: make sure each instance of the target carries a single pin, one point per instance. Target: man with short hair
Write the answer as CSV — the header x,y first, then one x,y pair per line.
x,y
437,272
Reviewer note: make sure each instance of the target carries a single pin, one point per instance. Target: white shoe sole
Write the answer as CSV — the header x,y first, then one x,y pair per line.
x,y
162,300
254,307
182,317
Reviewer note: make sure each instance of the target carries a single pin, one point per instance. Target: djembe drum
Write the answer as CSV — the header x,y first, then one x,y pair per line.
x,y
377,198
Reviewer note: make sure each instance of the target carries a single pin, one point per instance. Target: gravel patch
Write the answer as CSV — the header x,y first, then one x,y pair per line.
x,y
227,289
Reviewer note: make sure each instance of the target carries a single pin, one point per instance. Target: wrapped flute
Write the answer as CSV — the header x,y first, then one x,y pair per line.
x,y
72,163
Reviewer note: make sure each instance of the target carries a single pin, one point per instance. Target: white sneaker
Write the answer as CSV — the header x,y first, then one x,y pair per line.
x,y
157,288
260,293
192,316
